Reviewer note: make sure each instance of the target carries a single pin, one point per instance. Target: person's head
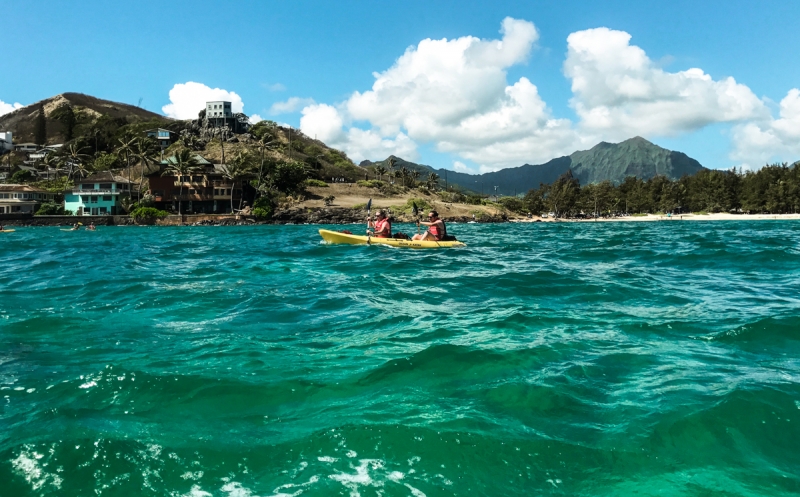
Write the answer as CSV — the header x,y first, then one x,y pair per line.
x,y
380,214
433,215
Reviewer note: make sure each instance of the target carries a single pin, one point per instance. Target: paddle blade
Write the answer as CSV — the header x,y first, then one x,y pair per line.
x,y
414,209
369,204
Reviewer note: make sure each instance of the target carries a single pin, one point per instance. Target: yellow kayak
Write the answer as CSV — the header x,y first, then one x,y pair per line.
x,y
7,231
337,237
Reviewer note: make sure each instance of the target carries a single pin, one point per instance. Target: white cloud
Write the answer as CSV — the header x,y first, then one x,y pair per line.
x,y
455,94
276,87
325,123
620,92
757,143
188,99
460,167
6,108
291,105
255,119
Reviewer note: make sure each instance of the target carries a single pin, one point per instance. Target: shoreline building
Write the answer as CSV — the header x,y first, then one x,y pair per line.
x,y
205,191
163,137
6,142
23,199
98,195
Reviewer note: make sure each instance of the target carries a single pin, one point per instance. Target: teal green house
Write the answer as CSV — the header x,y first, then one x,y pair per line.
x,y
98,195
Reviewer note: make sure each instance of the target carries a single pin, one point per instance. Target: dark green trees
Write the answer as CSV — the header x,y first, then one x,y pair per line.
x,y
40,127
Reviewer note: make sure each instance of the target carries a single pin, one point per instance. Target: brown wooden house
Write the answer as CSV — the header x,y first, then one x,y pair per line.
x,y
205,191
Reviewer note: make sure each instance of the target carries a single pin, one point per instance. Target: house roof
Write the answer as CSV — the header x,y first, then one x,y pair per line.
x,y
160,129
200,161
21,188
104,176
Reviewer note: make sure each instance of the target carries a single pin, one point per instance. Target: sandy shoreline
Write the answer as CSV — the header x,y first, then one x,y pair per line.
x,y
676,217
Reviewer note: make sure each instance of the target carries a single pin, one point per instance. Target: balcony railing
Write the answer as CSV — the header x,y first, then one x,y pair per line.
x,y
95,192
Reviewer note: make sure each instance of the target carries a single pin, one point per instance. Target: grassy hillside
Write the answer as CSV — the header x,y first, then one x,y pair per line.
x,y
87,111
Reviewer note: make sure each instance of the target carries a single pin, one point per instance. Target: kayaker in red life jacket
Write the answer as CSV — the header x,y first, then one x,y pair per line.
x,y
382,227
436,228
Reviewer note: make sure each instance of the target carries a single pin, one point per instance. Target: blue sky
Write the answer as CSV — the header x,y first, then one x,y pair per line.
x,y
323,52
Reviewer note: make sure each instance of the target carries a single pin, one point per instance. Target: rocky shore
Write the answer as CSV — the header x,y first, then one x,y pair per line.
x,y
306,215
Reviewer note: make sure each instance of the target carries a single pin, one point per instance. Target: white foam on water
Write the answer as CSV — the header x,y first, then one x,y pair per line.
x,y
327,459
28,466
196,491
192,476
88,384
236,489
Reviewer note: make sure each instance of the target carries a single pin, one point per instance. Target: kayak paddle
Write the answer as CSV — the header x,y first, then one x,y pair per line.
x,y
415,213
369,206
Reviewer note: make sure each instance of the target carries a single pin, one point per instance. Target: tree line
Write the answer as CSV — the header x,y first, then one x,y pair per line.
x,y
773,189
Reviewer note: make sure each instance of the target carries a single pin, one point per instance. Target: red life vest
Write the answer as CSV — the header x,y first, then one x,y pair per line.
x,y
434,230
383,228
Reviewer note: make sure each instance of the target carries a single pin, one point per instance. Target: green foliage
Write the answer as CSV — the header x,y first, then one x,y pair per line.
x,y
289,177
22,176
513,204
263,208
372,183
473,200
262,128
262,214
66,116
105,162
55,185
422,206
147,214
317,183
51,209
329,200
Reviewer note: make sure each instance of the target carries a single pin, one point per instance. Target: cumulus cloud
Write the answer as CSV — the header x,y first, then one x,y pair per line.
x,y
460,167
455,94
255,119
760,142
324,122
187,99
620,92
276,87
5,108
293,104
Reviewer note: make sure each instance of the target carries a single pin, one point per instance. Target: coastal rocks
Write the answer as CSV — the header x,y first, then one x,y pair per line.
x,y
342,215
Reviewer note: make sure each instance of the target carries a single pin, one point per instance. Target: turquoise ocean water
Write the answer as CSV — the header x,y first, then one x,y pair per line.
x,y
544,359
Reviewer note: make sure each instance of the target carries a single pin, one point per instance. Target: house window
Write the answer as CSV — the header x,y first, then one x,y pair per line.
x,y
192,191
94,200
103,210
106,198
105,186
85,199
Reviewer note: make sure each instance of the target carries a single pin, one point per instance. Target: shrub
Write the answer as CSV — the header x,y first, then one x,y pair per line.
x,y
328,200
262,214
22,176
51,209
473,200
371,183
147,214
513,204
316,182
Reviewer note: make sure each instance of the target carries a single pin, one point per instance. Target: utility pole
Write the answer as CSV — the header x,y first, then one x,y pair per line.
x,y
495,194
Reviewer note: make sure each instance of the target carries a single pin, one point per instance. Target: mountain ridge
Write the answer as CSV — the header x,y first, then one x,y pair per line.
x,y
604,162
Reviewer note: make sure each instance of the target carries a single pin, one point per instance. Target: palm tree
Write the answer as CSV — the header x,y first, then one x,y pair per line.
x,y
432,182
390,162
50,161
381,171
235,171
144,151
72,157
182,164
403,175
415,174
125,149
267,142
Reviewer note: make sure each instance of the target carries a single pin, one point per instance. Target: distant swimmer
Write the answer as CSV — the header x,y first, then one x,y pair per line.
x,y
437,231
91,227
75,227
